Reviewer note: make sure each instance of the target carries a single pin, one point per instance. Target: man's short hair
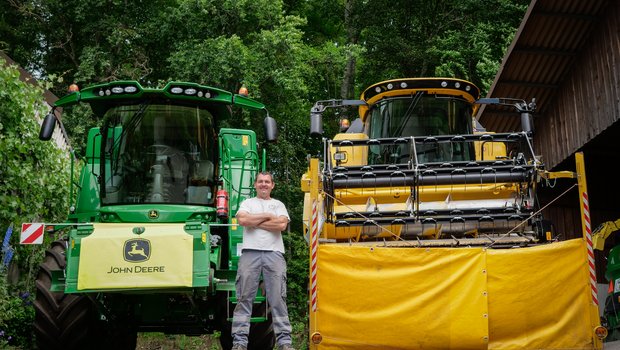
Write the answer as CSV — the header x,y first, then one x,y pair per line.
x,y
265,173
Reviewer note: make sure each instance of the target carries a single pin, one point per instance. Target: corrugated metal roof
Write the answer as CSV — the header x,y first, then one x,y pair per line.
x,y
546,46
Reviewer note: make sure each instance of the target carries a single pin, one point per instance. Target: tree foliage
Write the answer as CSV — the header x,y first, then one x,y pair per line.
x,y
34,176
288,53
34,187
461,39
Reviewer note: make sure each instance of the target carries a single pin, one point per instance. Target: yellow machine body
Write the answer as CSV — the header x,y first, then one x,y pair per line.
x,y
423,238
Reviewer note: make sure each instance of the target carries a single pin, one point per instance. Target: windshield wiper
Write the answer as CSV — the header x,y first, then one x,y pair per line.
x,y
409,112
388,151
133,121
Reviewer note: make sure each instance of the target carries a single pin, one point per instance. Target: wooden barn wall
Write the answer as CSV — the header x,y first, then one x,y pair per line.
x,y
587,103
566,221
589,100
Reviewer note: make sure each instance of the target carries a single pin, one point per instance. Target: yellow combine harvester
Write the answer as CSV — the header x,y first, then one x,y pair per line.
x,y
425,233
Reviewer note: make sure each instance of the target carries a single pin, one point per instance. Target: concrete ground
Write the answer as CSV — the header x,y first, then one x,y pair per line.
x,y
614,345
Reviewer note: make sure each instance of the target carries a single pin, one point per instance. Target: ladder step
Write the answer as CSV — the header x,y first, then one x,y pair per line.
x,y
257,300
253,319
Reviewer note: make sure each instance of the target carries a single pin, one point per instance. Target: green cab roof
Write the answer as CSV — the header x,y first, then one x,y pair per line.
x,y
120,91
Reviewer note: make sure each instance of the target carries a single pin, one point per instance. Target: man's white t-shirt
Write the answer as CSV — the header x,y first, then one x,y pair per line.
x,y
257,238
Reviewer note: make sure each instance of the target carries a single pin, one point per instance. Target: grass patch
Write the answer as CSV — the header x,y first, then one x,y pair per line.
x,y
161,341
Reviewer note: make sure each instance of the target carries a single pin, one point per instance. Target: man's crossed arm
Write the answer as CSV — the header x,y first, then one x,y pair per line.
x,y
266,221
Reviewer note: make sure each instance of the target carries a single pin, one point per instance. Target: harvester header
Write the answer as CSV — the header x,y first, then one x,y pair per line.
x,y
425,230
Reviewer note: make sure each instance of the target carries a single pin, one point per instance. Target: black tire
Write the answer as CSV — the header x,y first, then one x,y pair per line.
x,y
225,326
59,317
70,321
262,335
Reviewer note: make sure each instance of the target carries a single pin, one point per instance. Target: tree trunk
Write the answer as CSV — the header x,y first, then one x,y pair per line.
x,y
351,26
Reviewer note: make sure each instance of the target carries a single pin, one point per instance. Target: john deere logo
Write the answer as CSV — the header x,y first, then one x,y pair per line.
x,y
153,214
137,250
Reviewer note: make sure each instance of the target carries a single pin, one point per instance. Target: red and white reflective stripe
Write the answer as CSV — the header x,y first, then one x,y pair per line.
x,y
586,217
314,245
32,233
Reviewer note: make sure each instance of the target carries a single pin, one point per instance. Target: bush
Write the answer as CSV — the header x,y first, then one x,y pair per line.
x,y
297,287
16,317
34,187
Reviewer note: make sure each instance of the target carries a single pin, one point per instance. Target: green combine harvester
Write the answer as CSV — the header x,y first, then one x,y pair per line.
x,y
151,242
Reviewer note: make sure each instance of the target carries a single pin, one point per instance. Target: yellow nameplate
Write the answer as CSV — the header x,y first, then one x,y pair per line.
x,y
114,257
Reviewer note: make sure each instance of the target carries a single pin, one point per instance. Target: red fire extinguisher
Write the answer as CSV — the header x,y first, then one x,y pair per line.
x,y
221,204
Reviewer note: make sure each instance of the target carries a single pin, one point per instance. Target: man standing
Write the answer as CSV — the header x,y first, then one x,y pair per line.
x,y
263,218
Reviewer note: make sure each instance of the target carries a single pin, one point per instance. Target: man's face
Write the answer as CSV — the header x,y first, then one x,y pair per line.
x,y
263,185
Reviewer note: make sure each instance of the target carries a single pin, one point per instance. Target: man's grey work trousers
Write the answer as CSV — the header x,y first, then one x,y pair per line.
x,y
273,267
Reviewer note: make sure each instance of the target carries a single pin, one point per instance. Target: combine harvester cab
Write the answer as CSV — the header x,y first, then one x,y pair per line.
x,y
425,233
151,243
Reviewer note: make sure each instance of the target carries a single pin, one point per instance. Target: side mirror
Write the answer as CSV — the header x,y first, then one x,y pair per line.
x,y
271,129
316,124
527,123
527,120
524,108
316,113
47,127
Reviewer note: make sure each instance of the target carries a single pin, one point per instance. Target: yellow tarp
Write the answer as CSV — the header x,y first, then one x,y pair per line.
x,y
114,257
454,298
